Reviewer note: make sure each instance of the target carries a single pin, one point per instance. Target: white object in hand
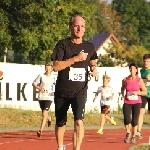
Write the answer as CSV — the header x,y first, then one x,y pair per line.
x,y
83,51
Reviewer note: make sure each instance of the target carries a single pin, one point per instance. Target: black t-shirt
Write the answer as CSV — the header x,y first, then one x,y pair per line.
x,y
66,49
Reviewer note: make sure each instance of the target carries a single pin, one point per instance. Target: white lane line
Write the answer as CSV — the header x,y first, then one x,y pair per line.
x,y
90,140
7,142
69,144
110,138
19,141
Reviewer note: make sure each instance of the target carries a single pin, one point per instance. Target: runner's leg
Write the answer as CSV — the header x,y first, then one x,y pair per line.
x,y
61,108
78,108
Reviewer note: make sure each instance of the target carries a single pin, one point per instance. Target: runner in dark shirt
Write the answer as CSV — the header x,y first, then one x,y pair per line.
x,y
71,58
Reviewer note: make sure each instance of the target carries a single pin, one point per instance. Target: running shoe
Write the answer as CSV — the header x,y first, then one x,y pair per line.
x,y
39,133
139,135
100,131
113,122
133,140
127,138
49,123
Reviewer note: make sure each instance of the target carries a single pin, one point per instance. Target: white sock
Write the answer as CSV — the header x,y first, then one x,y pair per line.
x,y
111,118
61,148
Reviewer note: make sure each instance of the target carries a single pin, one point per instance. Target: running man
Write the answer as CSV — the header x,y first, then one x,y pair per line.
x,y
145,75
106,97
134,87
71,58
44,83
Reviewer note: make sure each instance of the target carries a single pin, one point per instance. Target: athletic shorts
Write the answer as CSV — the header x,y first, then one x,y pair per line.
x,y
62,105
45,104
103,109
145,100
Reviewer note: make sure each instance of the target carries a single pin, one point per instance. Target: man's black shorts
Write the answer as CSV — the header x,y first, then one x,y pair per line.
x,y
62,105
145,100
45,104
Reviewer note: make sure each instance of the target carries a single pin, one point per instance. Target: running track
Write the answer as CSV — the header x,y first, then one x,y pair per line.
x,y
27,140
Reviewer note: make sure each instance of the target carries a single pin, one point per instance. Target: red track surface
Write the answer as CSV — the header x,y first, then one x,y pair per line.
x,y
110,140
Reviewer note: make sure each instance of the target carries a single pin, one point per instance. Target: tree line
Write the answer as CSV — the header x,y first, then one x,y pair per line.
x,y
31,28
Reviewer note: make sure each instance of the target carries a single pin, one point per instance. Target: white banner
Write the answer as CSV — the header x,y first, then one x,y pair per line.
x,y
17,91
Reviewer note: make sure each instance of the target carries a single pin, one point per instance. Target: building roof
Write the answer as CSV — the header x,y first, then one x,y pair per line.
x,y
99,39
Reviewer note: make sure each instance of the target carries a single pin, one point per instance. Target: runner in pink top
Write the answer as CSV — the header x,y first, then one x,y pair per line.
x,y
130,87
134,87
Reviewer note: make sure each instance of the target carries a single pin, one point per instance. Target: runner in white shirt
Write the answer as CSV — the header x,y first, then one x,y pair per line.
x,y
106,96
44,83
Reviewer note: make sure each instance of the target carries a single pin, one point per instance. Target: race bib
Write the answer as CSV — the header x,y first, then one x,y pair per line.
x,y
131,96
106,101
45,95
147,82
77,74
102,102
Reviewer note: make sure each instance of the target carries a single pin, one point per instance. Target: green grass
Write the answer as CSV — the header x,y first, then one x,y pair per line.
x,y
25,118
142,147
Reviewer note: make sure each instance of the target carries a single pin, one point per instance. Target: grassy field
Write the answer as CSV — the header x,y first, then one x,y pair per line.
x,y
24,118
142,147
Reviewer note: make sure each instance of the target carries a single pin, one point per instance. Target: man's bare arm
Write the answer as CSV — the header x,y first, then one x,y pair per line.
x,y
60,65
92,65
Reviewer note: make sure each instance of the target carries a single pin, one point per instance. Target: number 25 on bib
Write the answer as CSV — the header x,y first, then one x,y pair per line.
x,y
77,74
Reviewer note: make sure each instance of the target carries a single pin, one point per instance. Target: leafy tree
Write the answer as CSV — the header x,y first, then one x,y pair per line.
x,y
132,54
35,26
115,56
107,20
5,38
105,61
135,21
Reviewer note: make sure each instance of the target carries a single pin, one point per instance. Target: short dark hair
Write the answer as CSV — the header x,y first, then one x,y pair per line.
x,y
135,65
146,56
72,18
